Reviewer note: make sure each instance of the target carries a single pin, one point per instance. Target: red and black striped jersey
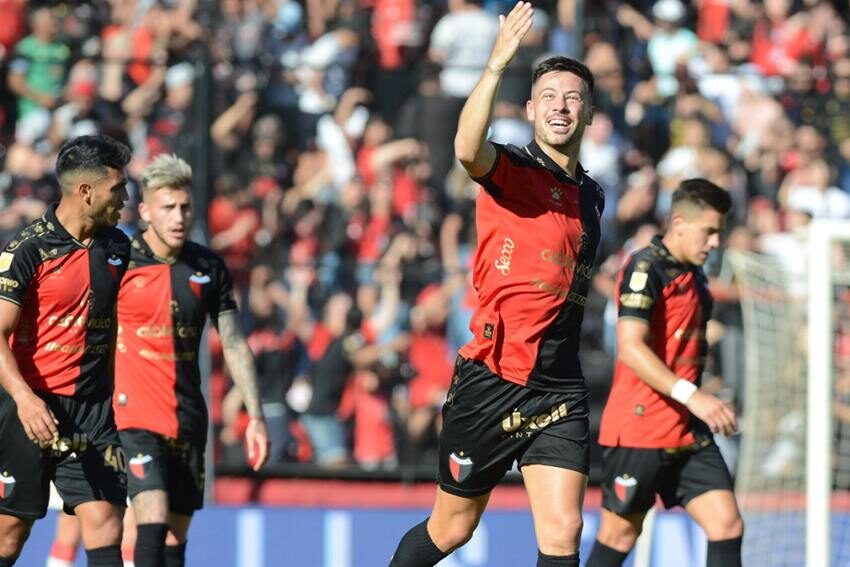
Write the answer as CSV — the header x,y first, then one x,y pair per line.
x,y
538,229
162,310
674,300
67,292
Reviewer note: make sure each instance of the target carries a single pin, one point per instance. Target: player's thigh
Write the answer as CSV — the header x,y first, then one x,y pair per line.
x,y
630,479
716,512
25,469
95,469
556,495
694,474
185,480
475,451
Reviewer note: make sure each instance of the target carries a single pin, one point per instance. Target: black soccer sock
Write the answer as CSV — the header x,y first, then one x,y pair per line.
x,y
150,545
724,553
417,549
603,556
108,556
7,561
175,555
544,560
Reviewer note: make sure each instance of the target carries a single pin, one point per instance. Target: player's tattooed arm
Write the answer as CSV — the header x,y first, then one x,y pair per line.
x,y
239,361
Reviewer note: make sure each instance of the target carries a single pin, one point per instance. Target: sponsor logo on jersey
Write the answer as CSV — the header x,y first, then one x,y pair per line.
x,y
460,466
638,281
6,261
7,484
625,487
503,263
140,465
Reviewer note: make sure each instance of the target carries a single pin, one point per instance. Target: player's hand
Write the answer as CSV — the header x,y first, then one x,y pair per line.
x,y
38,421
512,28
717,414
257,439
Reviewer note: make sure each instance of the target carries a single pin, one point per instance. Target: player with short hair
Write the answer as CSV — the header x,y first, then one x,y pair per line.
x,y
170,289
657,425
59,281
518,392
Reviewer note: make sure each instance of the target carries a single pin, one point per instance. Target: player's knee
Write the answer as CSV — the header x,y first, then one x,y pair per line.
x,y
560,536
13,534
454,533
101,526
619,535
725,526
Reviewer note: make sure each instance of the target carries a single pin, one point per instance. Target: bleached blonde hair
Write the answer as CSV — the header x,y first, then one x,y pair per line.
x,y
166,170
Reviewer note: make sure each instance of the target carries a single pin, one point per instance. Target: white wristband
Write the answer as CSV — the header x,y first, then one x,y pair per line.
x,y
683,390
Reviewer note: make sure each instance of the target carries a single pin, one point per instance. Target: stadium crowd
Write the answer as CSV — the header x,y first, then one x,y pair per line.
x,y
321,133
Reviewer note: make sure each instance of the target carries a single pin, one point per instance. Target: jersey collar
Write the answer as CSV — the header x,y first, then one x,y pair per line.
x,y
53,224
658,242
534,150
141,245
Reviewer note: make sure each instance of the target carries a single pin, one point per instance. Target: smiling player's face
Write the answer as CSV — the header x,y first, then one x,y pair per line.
x,y
559,108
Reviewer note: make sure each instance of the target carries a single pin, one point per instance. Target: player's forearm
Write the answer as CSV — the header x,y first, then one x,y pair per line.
x,y
648,367
10,375
470,141
240,362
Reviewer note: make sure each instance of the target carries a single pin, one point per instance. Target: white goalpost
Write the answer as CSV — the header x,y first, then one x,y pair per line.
x,y
793,475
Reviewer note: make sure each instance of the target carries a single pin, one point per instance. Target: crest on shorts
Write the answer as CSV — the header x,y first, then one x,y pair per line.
x,y
625,487
196,280
460,466
7,484
140,465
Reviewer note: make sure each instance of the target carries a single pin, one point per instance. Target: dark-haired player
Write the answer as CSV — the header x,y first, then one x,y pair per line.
x,y
657,425
59,281
518,393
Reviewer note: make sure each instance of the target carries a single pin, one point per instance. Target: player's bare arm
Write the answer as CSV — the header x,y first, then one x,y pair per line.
x,y
633,337
471,148
240,361
38,421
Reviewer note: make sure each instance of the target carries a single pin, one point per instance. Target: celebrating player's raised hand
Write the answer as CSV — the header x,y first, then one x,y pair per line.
x,y
512,28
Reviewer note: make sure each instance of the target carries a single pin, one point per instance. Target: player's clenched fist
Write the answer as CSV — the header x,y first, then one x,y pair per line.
x,y
512,28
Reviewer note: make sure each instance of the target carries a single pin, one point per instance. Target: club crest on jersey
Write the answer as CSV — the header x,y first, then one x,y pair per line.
x,y
196,280
113,263
140,466
6,261
625,487
7,484
460,466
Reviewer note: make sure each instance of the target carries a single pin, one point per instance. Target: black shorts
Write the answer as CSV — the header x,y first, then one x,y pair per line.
x,y
488,423
157,462
86,464
632,477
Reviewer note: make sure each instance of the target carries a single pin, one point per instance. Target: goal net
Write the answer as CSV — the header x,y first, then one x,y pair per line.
x,y
793,473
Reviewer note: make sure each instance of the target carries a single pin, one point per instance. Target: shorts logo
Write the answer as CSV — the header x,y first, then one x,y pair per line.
x,y
6,261
7,484
460,466
625,487
196,280
140,466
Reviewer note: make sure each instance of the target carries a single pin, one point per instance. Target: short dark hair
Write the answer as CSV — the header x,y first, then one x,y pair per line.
x,y
702,194
561,63
91,153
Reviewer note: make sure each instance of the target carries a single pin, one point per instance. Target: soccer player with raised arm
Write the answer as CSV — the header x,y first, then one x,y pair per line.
x,y
657,425
171,287
518,392
59,281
